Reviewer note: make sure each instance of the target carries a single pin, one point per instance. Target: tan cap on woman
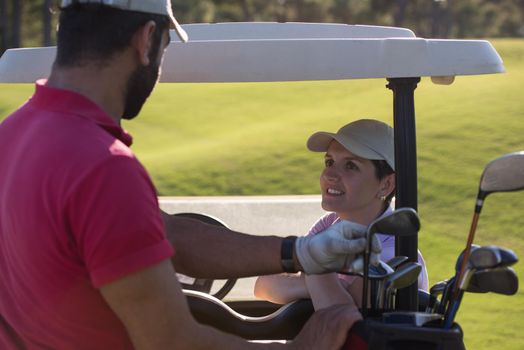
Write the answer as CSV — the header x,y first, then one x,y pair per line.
x,y
366,138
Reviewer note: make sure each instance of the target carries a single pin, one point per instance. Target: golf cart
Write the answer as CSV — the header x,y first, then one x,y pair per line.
x,y
260,52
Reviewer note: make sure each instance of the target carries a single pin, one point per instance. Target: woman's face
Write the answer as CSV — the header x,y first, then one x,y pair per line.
x,y
350,187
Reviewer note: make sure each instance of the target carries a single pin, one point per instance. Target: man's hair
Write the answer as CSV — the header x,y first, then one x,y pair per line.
x,y
94,32
382,169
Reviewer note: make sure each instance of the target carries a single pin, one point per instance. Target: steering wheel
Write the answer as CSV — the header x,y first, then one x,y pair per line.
x,y
204,284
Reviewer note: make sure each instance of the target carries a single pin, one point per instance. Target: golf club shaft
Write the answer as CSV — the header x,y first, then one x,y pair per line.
x,y
365,281
456,292
449,317
465,256
446,296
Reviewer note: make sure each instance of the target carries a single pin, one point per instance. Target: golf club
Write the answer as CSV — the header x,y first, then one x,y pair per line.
x,y
444,301
508,256
450,282
486,257
402,222
492,256
402,278
397,261
378,285
376,277
503,174
436,290
375,272
502,280
481,258
446,294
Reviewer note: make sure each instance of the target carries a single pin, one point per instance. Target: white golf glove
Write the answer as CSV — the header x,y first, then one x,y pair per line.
x,y
374,257
335,249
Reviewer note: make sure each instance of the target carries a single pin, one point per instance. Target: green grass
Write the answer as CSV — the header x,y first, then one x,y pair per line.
x,y
248,139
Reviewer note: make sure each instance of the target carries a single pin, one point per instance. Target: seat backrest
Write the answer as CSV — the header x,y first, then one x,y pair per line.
x,y
283,324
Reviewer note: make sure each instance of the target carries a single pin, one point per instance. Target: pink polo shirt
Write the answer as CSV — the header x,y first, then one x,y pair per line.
x,y
77,211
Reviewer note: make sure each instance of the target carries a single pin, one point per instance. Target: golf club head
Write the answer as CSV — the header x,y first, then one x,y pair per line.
x,y
403,277
438,288
402,222
485,257
507,257
379,271
458,264
435,290
502,280
490,256
382,270
385,267
503,174
397,261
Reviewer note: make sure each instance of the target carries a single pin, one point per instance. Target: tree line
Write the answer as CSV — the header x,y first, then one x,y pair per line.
x,y
26,23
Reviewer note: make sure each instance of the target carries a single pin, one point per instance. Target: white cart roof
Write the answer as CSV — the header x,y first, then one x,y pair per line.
x,y
258,52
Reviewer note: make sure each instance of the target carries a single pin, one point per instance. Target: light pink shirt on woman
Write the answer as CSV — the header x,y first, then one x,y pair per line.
x,y
387,242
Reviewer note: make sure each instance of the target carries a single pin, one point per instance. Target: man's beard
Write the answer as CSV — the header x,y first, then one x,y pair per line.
x,y
139,87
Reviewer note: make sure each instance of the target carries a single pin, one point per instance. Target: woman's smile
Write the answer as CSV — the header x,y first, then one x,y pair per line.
x,y
334,192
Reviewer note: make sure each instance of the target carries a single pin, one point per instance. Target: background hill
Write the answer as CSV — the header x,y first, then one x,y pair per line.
x,y
248,139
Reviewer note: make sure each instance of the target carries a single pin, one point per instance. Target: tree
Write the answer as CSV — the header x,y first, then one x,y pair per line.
x,y
440,19
16,24
47,22
400,12
3,27
32,22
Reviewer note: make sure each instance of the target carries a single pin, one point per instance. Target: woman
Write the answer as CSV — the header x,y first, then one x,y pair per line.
x,y
357,184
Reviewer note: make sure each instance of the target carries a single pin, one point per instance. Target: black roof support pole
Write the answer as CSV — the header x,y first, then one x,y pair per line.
x,y
406,173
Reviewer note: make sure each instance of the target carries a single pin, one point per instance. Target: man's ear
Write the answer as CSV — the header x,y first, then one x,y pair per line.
x,y
143,41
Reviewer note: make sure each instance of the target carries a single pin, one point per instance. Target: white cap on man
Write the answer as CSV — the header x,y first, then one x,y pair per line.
x,y
157,7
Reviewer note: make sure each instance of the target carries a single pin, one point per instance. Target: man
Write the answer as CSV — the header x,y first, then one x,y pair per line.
x,y
86,256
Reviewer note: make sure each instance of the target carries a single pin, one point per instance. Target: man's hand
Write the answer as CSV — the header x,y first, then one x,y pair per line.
x,y
327,328
334,249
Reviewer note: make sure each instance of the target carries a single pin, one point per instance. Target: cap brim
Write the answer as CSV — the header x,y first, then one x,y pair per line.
x,y
319,141
177,27
179,30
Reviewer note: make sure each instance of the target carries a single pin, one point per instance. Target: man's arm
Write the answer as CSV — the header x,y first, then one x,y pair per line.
x,y
155,314
209,251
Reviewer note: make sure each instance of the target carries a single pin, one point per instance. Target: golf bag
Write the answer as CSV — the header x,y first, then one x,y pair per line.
x,y
373,334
